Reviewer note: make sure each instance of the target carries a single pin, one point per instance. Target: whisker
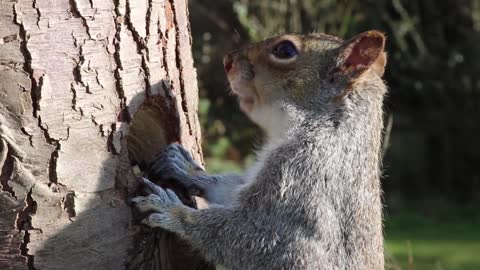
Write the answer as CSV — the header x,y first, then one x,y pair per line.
x,y
239,38
229,90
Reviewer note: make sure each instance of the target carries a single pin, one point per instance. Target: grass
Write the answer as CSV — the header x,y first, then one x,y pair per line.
x,y
441,239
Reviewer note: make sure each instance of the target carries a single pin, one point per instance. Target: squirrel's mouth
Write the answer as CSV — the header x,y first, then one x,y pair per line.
x,y
246,99
243,89
246,103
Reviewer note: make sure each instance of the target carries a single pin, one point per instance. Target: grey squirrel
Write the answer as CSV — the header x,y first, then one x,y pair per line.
x,y
312,200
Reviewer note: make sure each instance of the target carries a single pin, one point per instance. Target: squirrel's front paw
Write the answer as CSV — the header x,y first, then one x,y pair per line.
x,y
175,163
164,203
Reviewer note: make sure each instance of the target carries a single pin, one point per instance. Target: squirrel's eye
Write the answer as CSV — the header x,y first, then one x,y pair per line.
x,y
285,50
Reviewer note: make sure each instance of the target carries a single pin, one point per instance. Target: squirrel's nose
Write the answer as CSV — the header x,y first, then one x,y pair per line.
x,y
228,61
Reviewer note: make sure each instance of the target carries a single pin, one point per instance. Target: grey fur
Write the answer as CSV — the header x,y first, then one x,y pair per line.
x,y
313,199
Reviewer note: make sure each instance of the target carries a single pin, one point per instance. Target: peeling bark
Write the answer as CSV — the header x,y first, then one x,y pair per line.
x,y
76,79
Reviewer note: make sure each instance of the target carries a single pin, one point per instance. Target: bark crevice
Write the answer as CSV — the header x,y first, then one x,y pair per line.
x,y
163,37
179,65
39,14
110,140
46,135
148,18
52,165
124,115
74,97
35,92
68,203
75,11
76,71
142,48
30,136
24,223
6,168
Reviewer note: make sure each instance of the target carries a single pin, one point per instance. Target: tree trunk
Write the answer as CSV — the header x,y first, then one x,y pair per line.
x,y
88,88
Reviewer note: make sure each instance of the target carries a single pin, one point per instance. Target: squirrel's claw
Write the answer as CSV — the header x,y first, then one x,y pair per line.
x,y
156,220
159,199
150,187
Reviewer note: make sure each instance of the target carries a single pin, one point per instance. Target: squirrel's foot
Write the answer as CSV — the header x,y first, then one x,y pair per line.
x,y
164,203
158,200
151,188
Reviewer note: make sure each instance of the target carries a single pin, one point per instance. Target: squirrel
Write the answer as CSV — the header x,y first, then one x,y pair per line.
x,y
312,200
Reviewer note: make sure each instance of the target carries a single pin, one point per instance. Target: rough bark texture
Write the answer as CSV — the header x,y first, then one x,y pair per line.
x,y
74,76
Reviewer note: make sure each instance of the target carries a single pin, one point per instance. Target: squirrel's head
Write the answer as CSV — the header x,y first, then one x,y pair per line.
x,y
302,69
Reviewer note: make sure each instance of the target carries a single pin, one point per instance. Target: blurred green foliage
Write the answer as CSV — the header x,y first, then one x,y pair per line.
x,y
433,74
433,236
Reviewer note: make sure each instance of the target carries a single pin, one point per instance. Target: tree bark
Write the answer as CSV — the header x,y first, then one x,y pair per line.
x,y
88,88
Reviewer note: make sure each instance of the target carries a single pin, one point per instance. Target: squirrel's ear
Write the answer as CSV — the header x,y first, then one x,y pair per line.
x,y
361,53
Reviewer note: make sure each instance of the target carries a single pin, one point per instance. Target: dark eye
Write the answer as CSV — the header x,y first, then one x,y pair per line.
x,y
285,50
